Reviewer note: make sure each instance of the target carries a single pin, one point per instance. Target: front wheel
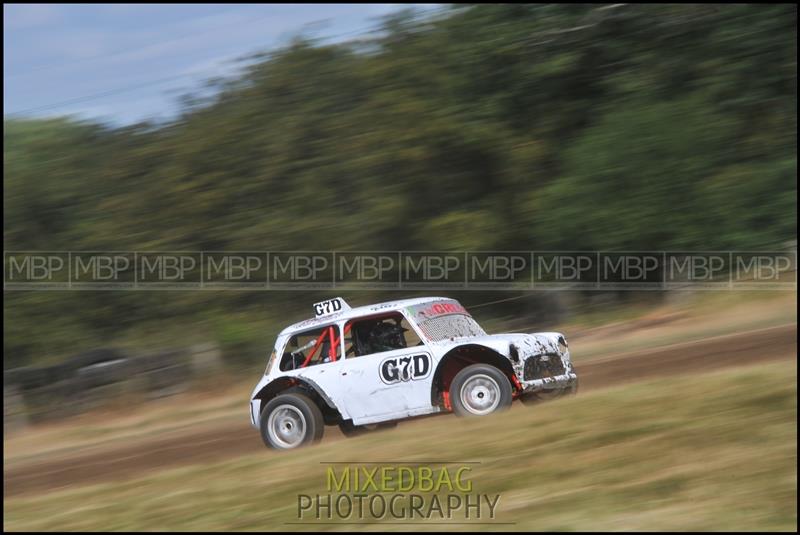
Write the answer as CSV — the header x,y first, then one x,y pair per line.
x,y
291,420
480,389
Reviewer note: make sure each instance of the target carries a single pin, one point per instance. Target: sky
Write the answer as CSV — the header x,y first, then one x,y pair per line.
x,y
123,63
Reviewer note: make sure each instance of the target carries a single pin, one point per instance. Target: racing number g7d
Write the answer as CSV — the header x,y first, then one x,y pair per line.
x,y
328,307
410,368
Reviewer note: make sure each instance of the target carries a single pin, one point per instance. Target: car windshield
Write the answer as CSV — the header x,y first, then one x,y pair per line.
x,y
441,320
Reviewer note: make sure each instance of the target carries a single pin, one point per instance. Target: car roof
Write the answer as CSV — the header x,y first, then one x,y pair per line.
x,y
357,312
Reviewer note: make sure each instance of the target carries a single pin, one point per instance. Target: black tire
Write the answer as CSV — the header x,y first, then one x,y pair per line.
x,y
298,423
349,430
489,391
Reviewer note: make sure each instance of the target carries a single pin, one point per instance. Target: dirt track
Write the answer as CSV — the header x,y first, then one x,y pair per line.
x,y
235,439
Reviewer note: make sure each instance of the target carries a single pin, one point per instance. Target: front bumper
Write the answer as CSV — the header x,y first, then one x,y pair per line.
x,y
559,382
549,371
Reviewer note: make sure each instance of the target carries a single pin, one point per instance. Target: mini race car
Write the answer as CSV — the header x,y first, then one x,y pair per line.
x,y
365,368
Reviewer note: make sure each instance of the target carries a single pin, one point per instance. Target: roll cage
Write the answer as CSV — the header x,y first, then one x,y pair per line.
x,y
328,341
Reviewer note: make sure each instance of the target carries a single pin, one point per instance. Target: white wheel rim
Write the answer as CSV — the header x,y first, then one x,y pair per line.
x,y
286,426
480,394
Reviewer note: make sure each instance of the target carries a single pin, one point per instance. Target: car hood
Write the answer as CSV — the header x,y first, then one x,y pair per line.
x,y
527,344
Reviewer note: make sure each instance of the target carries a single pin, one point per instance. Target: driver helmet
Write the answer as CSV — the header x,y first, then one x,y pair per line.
x,y
386,336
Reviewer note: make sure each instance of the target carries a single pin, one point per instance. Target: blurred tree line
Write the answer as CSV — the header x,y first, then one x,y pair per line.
x,y
491,127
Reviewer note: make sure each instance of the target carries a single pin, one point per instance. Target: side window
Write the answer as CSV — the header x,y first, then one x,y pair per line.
x,y
270,361
411,335
379,334
309,348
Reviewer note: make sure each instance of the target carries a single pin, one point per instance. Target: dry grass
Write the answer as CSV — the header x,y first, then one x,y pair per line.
x,y
695,317
710,452
692,318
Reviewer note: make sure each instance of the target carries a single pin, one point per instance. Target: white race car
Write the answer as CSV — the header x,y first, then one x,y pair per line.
x,y
368,367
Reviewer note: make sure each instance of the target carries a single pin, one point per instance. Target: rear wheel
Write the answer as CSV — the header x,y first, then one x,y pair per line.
x,y
480,389
289,421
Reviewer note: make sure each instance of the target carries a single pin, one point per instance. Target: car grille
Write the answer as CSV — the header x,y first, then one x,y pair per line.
x,y
543,366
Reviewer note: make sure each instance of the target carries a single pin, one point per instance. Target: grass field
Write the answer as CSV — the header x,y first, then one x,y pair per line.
x,y
692,318
708,452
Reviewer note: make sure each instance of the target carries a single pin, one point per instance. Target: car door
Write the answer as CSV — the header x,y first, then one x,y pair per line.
x,y
387,385
322,373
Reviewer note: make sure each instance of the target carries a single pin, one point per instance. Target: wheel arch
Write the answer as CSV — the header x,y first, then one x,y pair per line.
x,y
280,385
460,357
